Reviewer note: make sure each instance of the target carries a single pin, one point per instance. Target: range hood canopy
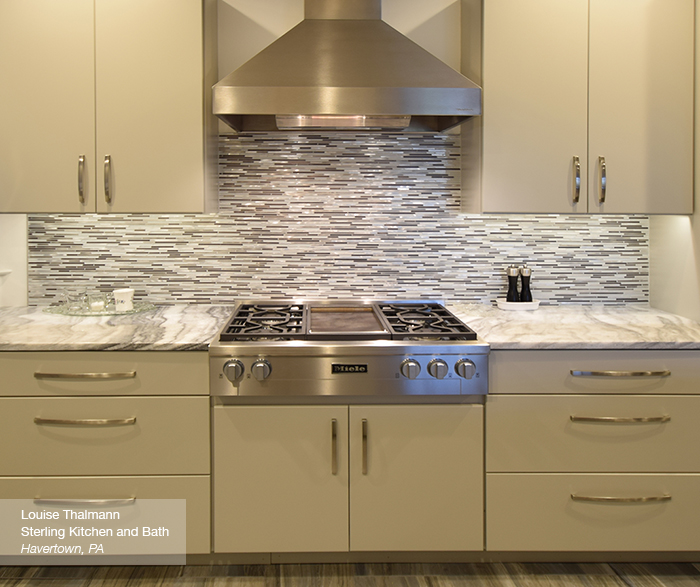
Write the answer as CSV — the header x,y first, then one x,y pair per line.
x,y
344,68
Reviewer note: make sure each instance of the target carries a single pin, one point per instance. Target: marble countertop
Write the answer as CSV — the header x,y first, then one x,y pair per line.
x,y
165,328
191,328
580,327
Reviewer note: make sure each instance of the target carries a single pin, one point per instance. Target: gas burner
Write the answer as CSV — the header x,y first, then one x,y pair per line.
x,y
265,322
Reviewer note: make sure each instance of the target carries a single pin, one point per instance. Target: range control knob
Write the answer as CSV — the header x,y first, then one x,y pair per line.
x,y
465,368
410,368
438,368
261,369
233,370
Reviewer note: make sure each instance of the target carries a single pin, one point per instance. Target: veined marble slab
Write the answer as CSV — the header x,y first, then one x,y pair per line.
x,y
580,327
166,328
190,327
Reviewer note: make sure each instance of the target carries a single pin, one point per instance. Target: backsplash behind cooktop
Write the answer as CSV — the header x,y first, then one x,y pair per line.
x,y
333,215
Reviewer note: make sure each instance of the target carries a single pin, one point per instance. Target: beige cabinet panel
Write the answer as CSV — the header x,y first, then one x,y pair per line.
x,y
535,105
154,373
641,105
536,433
541,371
588,79
150,104
162,435
194,489
537,513
416,482
275,485
47,118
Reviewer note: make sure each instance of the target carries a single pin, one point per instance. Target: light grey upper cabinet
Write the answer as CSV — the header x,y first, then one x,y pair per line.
x,y
588,106
104,106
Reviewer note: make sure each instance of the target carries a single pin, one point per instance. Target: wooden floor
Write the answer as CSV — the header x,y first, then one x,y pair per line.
x,y
362,575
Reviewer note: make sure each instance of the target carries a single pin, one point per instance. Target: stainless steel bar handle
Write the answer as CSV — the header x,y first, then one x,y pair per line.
x,y
125,375
576,183
622,420
81,179
603,180
606,499
334,446
364,446
125,501
664,373
86,421
108,179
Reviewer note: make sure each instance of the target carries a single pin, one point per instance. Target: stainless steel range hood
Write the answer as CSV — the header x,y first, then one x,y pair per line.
x,y
343,68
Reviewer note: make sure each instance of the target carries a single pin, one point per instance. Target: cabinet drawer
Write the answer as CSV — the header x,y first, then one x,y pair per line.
x,y
104,373
536,433
194,489
537,513
168,436
550,372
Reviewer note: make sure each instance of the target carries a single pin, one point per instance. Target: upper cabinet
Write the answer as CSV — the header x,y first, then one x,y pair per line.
x,y
105,106
588,106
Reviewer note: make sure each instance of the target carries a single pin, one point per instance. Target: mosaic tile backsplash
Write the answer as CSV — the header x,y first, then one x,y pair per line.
x,y
333,215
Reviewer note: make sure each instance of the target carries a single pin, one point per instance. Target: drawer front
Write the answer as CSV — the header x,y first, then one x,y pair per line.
x,y
578,434
537,513
542,371
141,436
194,489
104,373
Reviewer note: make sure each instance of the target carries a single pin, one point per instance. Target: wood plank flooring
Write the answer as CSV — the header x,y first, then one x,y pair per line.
x,y
362,575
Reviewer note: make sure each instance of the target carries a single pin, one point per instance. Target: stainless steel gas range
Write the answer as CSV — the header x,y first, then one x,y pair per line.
x,y
348,351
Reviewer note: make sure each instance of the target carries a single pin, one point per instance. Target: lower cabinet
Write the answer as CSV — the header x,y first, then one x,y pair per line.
x,y
339,478
192,488
594,513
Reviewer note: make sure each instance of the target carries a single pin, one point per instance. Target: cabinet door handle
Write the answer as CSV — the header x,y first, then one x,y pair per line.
x,y
86,422
602,180
576,182
125,501
622,420
664,373
334,446
606,499
364,446
81,179
125,375
108,179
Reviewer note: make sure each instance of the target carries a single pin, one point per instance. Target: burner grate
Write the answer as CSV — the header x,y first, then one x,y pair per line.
x,y
429,320
264,321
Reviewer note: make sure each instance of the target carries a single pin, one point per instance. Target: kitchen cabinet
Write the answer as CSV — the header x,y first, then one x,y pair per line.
x,y
108,425
590,449
591,89
105,106
339,478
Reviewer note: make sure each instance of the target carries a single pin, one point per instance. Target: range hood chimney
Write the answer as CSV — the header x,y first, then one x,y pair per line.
x,y
343,68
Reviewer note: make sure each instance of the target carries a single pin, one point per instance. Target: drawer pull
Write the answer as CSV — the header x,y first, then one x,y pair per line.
x,y
622,420
602,499
620,373
125,375
86,422
125,501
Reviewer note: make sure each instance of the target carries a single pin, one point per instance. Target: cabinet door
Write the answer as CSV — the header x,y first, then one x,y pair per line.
x,y
149,76
47,118
535,105
641,105
280,480
416,478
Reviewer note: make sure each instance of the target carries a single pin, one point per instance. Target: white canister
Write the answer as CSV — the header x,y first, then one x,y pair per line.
x,y
124,300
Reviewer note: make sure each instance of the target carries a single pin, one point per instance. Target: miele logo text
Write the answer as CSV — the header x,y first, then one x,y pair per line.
x,y
348,368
